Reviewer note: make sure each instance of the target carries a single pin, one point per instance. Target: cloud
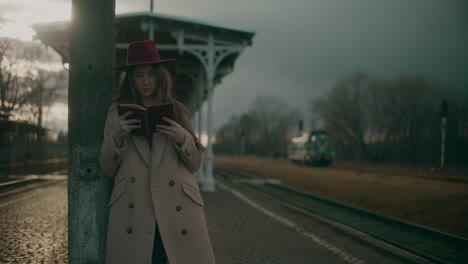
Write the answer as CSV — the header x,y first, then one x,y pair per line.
x,y
302,48
7,8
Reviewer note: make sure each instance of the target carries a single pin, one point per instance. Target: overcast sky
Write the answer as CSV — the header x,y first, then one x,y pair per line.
x,y
303,47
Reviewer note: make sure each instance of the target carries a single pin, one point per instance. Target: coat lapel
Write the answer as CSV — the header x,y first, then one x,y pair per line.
x,y
154,158
159,144
142,147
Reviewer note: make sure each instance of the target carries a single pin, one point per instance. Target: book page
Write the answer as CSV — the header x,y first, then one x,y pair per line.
x,y
156,113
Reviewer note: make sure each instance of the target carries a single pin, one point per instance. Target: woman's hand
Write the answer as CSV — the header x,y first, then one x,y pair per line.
x,y
125,126
174,131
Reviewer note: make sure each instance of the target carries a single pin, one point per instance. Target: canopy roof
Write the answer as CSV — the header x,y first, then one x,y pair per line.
x,y
187,40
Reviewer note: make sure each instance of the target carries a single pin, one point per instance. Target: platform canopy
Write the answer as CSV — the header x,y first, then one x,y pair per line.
x,y
205,52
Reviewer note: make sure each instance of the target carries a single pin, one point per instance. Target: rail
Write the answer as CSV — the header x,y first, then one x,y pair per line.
x,y
431,244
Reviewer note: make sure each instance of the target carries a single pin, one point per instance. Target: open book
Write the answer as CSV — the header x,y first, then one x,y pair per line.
x,y
149,116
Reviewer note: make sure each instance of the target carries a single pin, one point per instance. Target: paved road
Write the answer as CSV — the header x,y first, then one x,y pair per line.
x,y
245,227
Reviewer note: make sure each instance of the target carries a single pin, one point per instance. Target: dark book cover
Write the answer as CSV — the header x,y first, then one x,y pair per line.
x,y
149,116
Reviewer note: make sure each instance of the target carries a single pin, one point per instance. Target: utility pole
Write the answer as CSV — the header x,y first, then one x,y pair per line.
x,y
242,142
92,59
444,110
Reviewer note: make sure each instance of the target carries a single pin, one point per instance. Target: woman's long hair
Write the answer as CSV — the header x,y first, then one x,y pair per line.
x,y
126,93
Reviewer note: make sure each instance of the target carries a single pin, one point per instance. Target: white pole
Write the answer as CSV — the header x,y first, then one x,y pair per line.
x,y
201,87
208,185
195,121
200,173
196,124
199,116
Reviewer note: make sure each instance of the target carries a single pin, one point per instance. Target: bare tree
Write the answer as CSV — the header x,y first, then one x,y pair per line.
x,y
345,109
43,83
393,120
265,127
28,85
11,95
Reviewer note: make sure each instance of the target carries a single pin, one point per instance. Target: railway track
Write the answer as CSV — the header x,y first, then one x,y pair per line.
x,y
432,245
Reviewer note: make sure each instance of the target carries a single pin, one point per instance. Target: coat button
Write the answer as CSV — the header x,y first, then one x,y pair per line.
x,y
171,183
178,208
184,232
132,179
131,205
129,230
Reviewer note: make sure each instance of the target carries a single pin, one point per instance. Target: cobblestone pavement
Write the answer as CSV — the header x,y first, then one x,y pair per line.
x,y
33,225
244,228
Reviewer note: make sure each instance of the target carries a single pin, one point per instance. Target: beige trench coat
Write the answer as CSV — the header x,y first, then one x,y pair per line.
x,y
149,187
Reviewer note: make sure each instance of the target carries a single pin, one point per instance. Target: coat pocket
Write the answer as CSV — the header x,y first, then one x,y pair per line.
x,y
193,192
117,192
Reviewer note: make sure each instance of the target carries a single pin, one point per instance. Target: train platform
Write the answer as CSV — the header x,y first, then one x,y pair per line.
x,y
245,227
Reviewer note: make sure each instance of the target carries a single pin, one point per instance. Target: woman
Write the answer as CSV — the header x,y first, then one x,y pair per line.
x,y
156,211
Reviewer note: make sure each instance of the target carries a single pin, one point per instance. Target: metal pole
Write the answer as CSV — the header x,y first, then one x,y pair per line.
x,y
92,52
201,85
200,88
208,184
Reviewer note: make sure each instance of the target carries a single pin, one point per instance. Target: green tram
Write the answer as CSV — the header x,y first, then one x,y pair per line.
x,y
312,148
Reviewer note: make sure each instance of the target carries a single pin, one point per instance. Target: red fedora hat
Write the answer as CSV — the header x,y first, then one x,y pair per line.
x,y
143,52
